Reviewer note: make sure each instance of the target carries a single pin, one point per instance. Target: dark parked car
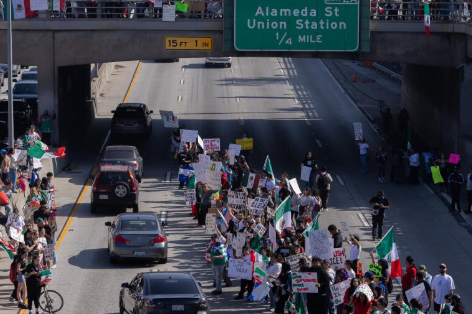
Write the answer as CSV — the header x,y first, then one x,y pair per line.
x,y
131,119
115,186
163,292
137,236
22,114
2,77
28,90
29,76
124,155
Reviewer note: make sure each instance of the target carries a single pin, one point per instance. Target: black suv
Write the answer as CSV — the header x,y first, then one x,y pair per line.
x,y
131,119
22,114
115,186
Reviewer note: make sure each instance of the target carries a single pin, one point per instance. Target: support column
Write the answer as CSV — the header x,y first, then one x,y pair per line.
x,y
47,95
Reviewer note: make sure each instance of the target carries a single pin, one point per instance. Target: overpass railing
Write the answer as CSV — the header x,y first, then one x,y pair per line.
x,y
137,9
414,10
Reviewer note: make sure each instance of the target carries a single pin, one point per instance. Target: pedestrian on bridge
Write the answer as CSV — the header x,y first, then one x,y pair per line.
x,y
455,181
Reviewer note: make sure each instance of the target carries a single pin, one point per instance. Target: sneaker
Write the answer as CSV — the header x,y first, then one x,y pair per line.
x,y
238,297
11,299
216,292
54,266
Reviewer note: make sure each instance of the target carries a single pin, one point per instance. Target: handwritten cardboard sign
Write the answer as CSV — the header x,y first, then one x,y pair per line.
x,y
238,268
305,282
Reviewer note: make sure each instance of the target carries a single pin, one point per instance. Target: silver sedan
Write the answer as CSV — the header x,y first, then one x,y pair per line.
x,y
138,236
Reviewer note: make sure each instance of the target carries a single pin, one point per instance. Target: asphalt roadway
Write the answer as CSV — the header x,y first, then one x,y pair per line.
x,y
290,107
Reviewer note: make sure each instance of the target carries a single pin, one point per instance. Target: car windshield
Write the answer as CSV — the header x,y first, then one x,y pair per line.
x,y
129,113
29,76
113,177
173,286
25,89
119,154
138,225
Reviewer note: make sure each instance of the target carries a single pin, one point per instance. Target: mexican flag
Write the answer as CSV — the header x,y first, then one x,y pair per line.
x,y
268,168
19,9
283,215
46,276
427,19
35,201
387,249
38,149
61,153
250,180
314,226
7,248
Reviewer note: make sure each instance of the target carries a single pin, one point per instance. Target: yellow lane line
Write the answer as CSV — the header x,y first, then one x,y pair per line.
x,y
130,88
87,184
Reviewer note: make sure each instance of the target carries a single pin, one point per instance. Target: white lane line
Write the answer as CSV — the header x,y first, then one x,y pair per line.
x,y
319,143
362,218
181,82
179,98
183,69
282,70
428,188
232,70
238,99
296,100
307,121
340,180
168,174
241,121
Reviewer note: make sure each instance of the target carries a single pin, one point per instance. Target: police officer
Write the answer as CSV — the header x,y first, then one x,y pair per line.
x,y
380,204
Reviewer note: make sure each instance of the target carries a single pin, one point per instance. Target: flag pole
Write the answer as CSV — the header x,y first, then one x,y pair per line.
x,y
11,136
383,237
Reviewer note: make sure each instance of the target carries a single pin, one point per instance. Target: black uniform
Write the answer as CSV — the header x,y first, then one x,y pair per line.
x,y
378,214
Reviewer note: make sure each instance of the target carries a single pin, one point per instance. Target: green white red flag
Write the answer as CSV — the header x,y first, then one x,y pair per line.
x,y
387,249
7,248
427,19
283,217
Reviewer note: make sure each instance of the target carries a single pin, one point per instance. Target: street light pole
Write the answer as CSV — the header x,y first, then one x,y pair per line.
x,y
11,136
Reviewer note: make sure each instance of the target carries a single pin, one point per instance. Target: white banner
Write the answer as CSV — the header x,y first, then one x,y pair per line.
x,y
319,244
236,148
238,268
16,235
211,144
232,155
305,173
188,135
338,259
210,223
305,282
38,5
294,184
418,292
168,14
358,134
213,179
339,290
237,201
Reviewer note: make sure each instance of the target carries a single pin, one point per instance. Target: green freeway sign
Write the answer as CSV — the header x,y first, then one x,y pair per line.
x,y
296,25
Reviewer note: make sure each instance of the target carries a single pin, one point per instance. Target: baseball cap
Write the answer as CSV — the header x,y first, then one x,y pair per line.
x,y
3,151
39,220
214,236
442,265
369,274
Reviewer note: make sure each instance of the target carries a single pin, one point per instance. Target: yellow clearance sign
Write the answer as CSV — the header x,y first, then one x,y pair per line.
x,y
246,143
189,43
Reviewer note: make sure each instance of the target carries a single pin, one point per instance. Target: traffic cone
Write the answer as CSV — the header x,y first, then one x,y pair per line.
x,y
354,78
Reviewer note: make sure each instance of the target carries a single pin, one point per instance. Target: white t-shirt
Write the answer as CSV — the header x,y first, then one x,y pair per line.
x,y
351,273
304,200
355,252
274,270
442,285
415,160
363,147
268,184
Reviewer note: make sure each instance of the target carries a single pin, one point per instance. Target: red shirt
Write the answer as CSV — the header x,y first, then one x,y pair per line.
x,y
360,308
408,277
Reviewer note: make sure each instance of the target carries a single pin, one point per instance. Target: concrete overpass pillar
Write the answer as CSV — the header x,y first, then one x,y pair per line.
x,y
438,101
47,93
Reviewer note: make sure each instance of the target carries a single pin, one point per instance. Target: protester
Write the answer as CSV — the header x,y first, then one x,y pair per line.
x,y
469,190
323,181
381,158
364,154
249,284
414,160
33,279
441,285
354,253
20,263
420,279
218,260
337,236
455,181
361,304
309,161
456,303
380,204
5,166
427,276
408,278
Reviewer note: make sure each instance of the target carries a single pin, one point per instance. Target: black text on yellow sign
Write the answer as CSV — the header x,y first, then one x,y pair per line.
x,y
189,43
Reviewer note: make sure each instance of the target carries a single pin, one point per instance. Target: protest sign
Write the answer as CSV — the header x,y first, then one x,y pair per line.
x,y
258,206
170,121
16,235
358,134
376,270
294,184
344,228
294,261
214,165
319,244
211,144
259,229
338,259
188,135
365,289
304,282
190,195
232,155
246,143
237,201
39,5
37,163
436,173
418,292
338,290
200,142
273,237
168,13
236,148
199,170
270,212
52,199
213,179
238,243
49,252
157,3
238,268
454,159
305,173
210,223
203,158
260,292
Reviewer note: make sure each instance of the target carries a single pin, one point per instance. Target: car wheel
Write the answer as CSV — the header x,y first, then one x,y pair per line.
x,y
135,208
93,209
121,189
163,260
113,259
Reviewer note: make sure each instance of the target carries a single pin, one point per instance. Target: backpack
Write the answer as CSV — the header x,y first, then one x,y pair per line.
x,y
13,272
322,182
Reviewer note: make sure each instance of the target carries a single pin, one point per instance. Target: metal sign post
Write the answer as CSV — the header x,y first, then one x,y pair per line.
x,y
11,136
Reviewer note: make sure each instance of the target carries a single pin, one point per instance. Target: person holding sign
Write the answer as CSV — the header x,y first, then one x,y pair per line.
x,y
364,154
318,302
244,282
380,203
309,161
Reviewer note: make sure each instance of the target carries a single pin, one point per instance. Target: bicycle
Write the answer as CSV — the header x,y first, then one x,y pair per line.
x,y
50,301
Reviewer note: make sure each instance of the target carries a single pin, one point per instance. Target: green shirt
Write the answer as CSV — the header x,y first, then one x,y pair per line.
x,y
218,250
406,308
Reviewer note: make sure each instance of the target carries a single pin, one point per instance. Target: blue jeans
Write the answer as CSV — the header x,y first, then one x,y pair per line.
x,y
272,299
13,175
364,162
